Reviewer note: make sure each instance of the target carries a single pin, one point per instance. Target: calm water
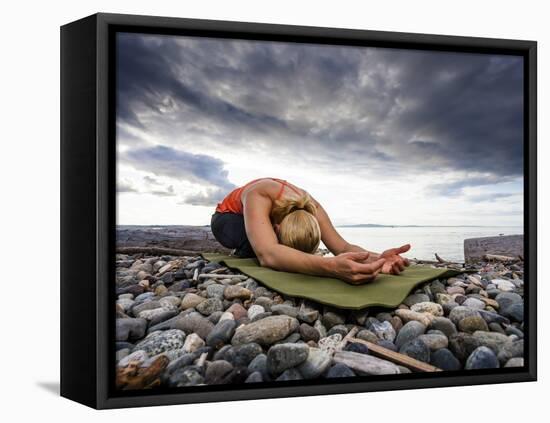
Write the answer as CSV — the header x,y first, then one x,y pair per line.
x,y
447,242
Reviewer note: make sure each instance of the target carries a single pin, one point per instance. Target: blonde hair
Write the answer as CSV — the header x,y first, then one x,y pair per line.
x,y
298,226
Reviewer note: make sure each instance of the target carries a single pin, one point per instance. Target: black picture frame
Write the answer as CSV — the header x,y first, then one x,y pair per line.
x,y
88,207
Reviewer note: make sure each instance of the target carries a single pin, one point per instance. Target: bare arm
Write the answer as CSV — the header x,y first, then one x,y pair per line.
x,y
333,240
262,237
337,245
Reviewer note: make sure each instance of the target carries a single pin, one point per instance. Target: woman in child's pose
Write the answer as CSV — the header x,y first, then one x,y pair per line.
x,y
282,225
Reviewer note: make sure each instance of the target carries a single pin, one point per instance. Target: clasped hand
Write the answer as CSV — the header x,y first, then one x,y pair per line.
x,y
356,268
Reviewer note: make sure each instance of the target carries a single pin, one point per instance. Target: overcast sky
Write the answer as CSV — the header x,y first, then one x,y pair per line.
x,y
385,136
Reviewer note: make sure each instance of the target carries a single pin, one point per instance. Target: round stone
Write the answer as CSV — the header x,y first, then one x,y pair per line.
x,y
514,312
474,303
217,371
130,329
331,319
383,330
340,370
408,332
192,343
210,306
255,310
309,333
460,312
233,292
316,363
482,358
444,325
357,347
215,291
511,349
506,299
254,377
285,356
445,360
259,364
265,331
492,340
341,329
367,335
158,342
221,333
191,301
434,341
470,324
416,349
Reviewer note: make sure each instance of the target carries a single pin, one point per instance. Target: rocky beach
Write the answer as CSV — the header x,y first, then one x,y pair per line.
x,y
183,321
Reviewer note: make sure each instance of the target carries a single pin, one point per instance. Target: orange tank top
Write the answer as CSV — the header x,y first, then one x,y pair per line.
x,y
232,202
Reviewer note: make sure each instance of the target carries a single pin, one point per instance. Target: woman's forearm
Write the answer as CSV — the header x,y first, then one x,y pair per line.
x,y
351,248
286,259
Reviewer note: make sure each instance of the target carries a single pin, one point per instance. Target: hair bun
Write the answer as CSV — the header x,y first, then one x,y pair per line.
x,y
284,207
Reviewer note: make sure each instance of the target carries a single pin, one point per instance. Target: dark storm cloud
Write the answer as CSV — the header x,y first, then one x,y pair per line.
x,y
166,161
149,75
456,188
399,110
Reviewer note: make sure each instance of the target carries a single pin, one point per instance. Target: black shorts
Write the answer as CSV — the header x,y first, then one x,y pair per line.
x,y
229,231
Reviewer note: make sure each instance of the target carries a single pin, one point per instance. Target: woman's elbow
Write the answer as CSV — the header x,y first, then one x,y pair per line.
x,y
266,259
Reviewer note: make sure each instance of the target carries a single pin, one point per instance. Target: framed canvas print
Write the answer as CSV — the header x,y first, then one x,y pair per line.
x,y
255,211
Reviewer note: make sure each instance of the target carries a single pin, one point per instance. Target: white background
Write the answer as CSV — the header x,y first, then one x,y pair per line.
x,y
29,307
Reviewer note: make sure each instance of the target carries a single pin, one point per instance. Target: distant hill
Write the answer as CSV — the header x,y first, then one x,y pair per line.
x,y
374,225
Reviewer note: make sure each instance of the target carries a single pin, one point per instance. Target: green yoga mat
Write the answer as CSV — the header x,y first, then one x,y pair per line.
x,y
385,290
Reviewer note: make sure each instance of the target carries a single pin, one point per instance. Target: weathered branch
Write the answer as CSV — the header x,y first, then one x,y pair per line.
x,y
439,259
497,257
397,358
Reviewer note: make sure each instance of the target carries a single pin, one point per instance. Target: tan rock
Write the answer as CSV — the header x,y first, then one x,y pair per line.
x,y
191,301
365,364
233,292
265,331
408,315
428,307
192,343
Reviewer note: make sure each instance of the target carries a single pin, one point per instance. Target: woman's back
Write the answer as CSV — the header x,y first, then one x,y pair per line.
x,y
232,203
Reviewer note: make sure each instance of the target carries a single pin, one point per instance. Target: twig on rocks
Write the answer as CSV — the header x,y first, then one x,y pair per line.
x,y
346,338
439,259
398,358
214,276
196,274
202,359
418,261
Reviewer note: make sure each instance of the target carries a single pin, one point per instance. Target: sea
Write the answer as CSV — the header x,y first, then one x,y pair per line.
x,y
447,242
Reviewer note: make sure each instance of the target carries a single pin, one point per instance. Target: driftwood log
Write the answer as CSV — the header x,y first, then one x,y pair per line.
x,y
476,249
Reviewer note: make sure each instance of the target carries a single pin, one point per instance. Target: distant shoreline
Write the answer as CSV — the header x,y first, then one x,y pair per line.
x,y
373,225
361,225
